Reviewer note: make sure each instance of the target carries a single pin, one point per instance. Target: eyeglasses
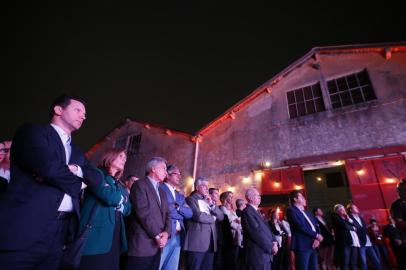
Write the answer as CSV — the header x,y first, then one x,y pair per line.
x,y
4,150
175,173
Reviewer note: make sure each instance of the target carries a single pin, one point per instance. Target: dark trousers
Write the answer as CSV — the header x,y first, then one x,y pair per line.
x,y
306,259
369,253
44,254
144,263
199,260
348,257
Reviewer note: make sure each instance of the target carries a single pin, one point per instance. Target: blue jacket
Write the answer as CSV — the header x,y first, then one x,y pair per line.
x,y
302,234
107,195
184,212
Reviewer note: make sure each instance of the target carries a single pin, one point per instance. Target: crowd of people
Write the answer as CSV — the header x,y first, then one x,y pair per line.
x,y
51,192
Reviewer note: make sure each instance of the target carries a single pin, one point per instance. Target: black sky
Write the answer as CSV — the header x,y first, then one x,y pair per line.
x,y
180,65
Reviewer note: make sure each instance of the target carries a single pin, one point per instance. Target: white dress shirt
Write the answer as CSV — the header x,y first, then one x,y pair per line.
x,y
308,220
66,204
358,219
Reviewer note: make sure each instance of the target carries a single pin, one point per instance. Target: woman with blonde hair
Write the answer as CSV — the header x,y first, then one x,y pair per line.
x,y
107,238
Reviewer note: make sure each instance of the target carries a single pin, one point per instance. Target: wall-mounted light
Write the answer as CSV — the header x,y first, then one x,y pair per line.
x,y
297,187
319,179
265,164
360,172
246,180
258,176
390,180
338,163
232,189
276,184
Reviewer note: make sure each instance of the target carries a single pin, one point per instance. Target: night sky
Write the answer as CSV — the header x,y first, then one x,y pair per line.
x,y
179,65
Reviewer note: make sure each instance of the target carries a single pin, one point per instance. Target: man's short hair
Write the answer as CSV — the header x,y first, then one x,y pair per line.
x,y
294,195
199,181
63,101
153,162
239,203
348,207
249,193
212,190
337,207
171,168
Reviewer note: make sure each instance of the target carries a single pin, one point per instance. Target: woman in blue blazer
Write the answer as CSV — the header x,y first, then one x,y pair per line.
x,y
106,239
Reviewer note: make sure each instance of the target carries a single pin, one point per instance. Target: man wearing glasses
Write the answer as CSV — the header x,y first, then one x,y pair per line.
x,y
179,211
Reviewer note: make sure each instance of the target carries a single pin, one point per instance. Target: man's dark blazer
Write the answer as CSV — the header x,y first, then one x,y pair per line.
x,y
342,231
201,234
302,234
39,179
258,239
150,217
361,230
177,215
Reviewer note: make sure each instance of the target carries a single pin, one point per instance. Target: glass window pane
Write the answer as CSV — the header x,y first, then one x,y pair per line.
x,y
352,81
308,93
310,107
292,111
345,98
291,97
356,96
332,87
319,105
342,84
368,93
301,110
335,101
316,90
299,95
363,78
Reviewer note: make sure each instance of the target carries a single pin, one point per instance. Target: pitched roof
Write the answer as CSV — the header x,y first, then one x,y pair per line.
x,y
386,49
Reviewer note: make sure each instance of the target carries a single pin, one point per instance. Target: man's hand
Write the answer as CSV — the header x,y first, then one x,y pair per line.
x,y
162,239
316,244
274,248
319,237
73,168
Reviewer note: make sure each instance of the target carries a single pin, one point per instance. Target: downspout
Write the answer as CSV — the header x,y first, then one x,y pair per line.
x,y
197,139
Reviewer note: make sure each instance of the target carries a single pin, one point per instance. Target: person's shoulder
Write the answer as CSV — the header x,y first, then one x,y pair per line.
x,y
30,127
397,203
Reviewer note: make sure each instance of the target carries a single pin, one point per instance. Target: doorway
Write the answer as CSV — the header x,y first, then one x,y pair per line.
x,y
326,187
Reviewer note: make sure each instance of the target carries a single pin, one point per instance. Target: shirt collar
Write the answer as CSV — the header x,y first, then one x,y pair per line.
x,y
171,188
65,137
256,208
154,182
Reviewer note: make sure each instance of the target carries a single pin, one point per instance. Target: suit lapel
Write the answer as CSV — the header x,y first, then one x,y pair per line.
x,y
152,190
56,140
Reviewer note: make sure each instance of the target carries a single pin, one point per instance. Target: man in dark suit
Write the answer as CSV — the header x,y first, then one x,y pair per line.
x,y
259,242
150,224
366,249
42,200
179,212
347,241
201,235
305,232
